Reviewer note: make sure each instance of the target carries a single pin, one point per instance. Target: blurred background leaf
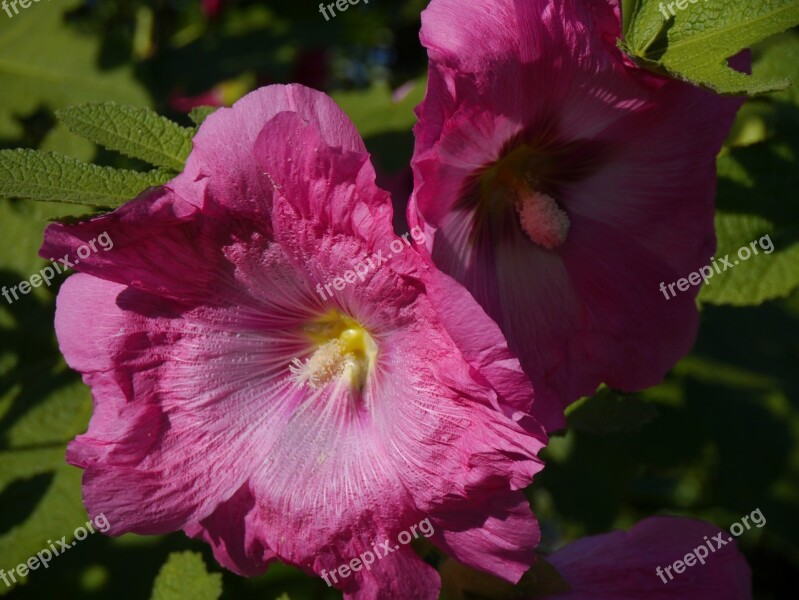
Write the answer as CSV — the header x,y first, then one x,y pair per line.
x,y
45,65
184,576
610,412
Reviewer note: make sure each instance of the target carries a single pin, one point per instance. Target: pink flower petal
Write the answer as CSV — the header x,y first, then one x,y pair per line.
x,y
623,565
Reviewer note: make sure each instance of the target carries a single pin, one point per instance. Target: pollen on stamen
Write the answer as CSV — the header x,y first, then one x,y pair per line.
x,y
543,220
328,362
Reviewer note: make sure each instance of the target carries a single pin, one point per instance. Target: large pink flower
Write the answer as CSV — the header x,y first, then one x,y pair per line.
x,y
563,185
639,564
232,401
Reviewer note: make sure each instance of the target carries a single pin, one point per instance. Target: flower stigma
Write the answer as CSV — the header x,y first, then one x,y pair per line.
x,y
514,179
344,352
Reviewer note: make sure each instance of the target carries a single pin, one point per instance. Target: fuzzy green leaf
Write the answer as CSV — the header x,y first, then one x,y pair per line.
x,y
136,132
695,42
50,177
184,576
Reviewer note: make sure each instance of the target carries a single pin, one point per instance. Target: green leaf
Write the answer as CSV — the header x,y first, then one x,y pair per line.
x,y
758,119
199,114
754,124
778,58
628,11
136,132
756,195
44,62
51,177
756,200
184,576
759,278
610,412
695,43
43,405
45,499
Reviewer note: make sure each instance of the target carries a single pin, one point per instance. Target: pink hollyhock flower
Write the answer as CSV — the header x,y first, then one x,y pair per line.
x,y
631,565
563,185
235,401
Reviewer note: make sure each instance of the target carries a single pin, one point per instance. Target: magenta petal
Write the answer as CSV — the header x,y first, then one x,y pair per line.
x,y
623,565
174,255
465,533
485,348
231,178
318,173
235,520
452,30
499,449
401,574
156,373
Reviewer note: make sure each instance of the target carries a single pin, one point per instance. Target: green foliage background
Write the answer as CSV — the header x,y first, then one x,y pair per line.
x,y
719,438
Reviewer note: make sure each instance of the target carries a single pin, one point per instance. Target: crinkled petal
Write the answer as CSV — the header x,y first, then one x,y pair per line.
x,y
231,533
231,178
465,533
